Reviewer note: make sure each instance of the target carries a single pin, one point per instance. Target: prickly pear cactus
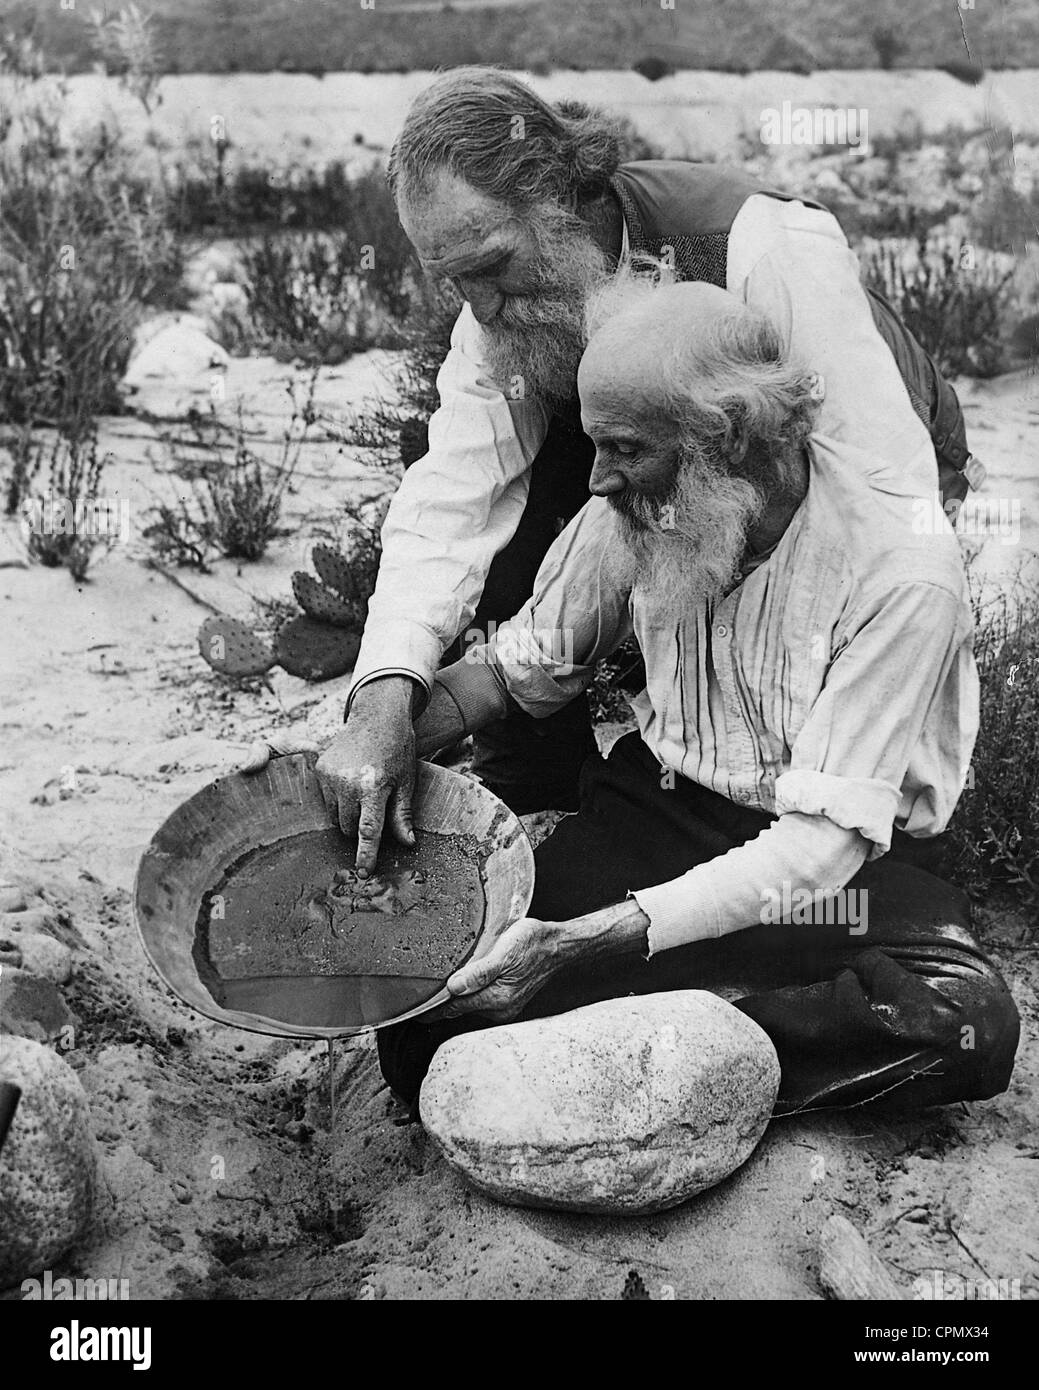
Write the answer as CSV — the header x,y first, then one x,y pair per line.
x,y
314,650
233,649
321,603
333,569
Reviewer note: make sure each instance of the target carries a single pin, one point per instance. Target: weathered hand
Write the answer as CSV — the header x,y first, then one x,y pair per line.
x,y
276,745
367,772
502,982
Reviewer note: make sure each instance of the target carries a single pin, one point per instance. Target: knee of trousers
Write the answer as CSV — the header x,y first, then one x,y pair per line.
x,y
407,1049
405,1052
988,1032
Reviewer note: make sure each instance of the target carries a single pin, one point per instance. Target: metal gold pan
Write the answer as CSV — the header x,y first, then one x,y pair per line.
x,y
235,814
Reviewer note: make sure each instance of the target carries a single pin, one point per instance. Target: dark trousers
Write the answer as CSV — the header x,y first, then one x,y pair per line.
x,y
911,1009
531,763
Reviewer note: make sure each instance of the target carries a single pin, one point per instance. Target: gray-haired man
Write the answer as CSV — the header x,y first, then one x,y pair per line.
x,y
810,709
526,207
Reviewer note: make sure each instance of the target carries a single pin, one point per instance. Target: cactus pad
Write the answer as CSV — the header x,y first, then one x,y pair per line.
x,y
333,568
314,650
321,603
233,649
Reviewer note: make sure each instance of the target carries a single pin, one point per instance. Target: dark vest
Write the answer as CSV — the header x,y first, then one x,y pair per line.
x,y
683,212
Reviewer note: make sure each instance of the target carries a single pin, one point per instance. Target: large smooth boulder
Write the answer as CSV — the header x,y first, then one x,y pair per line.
x,y
48,1163
631,1105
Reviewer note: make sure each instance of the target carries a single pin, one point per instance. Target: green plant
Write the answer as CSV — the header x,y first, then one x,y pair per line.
x,y
235,503
888,46
125,42
69,522
310,298
24,453
994,832
953,297
653,68
83,245
617,677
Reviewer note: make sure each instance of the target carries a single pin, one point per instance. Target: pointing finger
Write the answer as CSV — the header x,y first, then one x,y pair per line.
x,y
369,828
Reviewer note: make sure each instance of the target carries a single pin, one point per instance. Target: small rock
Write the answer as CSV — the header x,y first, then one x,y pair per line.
x,y
45,957
631,1105
10,955
35,919
179,349
31,1007
48,1163
12,898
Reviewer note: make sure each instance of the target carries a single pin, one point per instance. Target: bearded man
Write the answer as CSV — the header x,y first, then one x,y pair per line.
x,y
527,209
810,709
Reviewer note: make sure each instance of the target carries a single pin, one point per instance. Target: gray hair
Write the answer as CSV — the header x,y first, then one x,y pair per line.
x,y
492,130
731,386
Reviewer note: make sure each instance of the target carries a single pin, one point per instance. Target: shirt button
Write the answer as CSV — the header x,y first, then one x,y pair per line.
x,y
722,630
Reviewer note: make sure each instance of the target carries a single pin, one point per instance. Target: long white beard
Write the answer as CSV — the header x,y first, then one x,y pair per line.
x,y
688,544
535,342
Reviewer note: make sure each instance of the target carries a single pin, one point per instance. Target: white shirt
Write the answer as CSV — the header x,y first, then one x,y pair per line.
x,y
834,687
460,504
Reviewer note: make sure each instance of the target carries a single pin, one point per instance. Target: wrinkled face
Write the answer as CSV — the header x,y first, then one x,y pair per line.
x,y
526,277
479,244
684,516
637,457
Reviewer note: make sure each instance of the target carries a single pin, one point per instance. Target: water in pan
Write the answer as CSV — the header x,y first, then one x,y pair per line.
x,y
291,933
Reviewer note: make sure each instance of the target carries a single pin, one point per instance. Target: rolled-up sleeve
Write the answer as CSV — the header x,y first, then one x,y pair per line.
x,y
888,739
892,731
455,509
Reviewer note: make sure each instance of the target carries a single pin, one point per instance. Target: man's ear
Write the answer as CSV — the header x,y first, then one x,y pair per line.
x,y
740,439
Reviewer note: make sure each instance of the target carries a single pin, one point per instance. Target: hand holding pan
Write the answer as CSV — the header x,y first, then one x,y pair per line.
x,y
243,815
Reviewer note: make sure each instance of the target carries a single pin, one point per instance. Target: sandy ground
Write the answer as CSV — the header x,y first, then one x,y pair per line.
x,y
219,1171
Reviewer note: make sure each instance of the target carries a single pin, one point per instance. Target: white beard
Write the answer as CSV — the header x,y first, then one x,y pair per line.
x,y
688,545
535,342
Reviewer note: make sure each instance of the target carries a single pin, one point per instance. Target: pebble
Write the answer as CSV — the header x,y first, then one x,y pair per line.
x,y
45,957
12,898
31,1007
34,919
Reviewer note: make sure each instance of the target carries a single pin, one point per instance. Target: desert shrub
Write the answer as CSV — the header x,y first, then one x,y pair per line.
x,y
325,295
125,42
243,504
1003,219
234,507
309,299
995,830
1024,340
396,430
956,310
887,45
653,68
83,246
70,521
